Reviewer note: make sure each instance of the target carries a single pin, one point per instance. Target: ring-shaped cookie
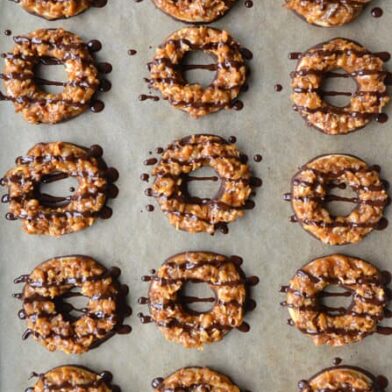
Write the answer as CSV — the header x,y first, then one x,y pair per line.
x,y
337,326
327,13
343,377
197,11
48,162
309,195
48,316
189,328
166,73
365,68
189,154
59,9
198,378
73,378
56,46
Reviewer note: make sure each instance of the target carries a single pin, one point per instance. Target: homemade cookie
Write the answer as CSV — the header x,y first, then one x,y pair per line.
x,y
340,378
51,320
167,74
168,306
327,13
48,162
194,214
366,68
196,378
59,9
310,192
73,378
196,11
55,46
337,326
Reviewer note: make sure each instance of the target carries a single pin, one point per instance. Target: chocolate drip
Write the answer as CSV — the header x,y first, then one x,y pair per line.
x,y
144,177
377,12
337,361
104,68
144,97
156,382
150,161
278,87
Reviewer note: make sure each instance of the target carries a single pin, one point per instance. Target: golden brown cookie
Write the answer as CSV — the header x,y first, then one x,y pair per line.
x,y
55,46
327,13
337,326
197,378
52,321
194,214
168,306
73,378
167,71
343,377
59,9
196,11
317,63
47,162
310,189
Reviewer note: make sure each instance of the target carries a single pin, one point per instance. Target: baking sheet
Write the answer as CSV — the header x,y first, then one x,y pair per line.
x,y
272,356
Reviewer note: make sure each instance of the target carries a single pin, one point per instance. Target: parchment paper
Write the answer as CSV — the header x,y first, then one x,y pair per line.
x,y
272,356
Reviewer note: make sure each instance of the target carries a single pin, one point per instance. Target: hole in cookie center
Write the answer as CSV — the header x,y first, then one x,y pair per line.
x,y
50,78
52,188
341,200
72,305
197,298
198,67
336,299
337,88
202,184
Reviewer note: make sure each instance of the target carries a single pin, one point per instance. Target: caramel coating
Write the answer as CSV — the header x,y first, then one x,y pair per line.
x,y
73,378
327,13
194,329
189,154
201,378
309,193
46,159
167,77
362,316
55,9
50,324
36,105
364,67
197,11
341,377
